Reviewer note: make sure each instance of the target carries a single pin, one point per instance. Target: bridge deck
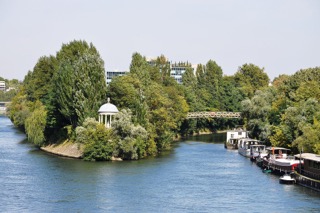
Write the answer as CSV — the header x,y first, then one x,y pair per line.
x,y
214,115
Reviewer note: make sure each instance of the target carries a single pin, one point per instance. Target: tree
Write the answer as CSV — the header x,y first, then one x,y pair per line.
x,y
251,78
306,90
99,142
41,80
36,123
140,68
189,79
256,113
200,75
18,109
80,81
163,66
133,139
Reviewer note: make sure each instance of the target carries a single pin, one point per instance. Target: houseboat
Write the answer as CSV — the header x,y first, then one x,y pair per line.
x,y
258,151
308,174
279,161
245,144
233,137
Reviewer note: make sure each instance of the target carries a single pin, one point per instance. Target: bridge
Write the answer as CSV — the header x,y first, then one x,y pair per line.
x,y
213,115
3,107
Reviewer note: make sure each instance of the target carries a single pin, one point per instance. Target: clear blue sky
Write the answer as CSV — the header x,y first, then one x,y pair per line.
x,y
283,36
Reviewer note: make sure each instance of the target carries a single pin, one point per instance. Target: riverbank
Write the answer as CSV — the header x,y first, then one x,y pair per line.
x,y
65,149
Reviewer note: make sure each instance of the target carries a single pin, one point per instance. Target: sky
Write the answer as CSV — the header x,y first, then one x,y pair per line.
x,y
281,36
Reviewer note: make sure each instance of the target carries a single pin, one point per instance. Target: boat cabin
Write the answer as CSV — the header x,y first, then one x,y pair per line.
x,y
245,145
237,133
308,174
278,152
311,166
233,137
258,150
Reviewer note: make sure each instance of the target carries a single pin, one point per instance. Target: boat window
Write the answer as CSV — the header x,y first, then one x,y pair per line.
x,y
316,165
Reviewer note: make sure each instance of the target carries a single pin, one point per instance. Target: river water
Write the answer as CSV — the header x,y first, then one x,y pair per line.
x,y
198,175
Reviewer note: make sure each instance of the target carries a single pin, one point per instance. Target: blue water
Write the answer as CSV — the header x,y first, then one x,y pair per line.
x,y
198,175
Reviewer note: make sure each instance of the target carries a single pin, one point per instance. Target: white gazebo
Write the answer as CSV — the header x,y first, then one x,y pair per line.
x,y
106,112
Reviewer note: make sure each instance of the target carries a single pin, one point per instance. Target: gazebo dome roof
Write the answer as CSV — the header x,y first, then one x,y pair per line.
x,y
108,108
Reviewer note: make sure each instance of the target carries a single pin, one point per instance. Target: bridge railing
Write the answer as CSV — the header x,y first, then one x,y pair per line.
x,y
3,107
213,115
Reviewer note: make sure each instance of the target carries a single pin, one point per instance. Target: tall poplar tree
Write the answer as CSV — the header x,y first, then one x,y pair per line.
x,y
80,81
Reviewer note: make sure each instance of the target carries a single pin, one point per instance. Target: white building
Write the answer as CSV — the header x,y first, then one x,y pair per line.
x,y
2,86
106,113
177,69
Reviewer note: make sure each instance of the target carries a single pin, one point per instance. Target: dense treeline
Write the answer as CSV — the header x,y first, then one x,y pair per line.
x,y
288,113
60,97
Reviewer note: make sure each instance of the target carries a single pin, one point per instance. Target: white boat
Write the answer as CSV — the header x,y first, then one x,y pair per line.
x,y
257,151
287,179
233,137
245,144
278,160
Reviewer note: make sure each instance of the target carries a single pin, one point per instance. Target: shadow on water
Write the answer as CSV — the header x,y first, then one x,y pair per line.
x,y
209,138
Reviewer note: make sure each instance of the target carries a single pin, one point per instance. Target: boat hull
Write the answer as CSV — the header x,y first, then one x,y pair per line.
x,y
307,181
280,165
287,179
244,152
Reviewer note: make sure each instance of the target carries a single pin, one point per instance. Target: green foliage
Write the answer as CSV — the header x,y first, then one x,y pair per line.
x,y
18,109
231,95
80,82
35,123
40,81
309,141
250,78
7,96
157,102
132,141
163,68
99,141
140,69
289,111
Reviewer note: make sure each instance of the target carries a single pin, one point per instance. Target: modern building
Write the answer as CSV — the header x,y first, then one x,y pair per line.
x,y
2,86
177,68
112,74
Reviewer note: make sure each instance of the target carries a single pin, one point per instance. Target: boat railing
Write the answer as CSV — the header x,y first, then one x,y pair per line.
x,y
290,157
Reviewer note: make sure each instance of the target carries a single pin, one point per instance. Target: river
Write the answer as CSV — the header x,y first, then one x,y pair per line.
x,y
198,175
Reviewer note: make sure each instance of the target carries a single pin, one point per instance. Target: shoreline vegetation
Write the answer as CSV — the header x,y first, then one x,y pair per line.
x,y
75,150
59,101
